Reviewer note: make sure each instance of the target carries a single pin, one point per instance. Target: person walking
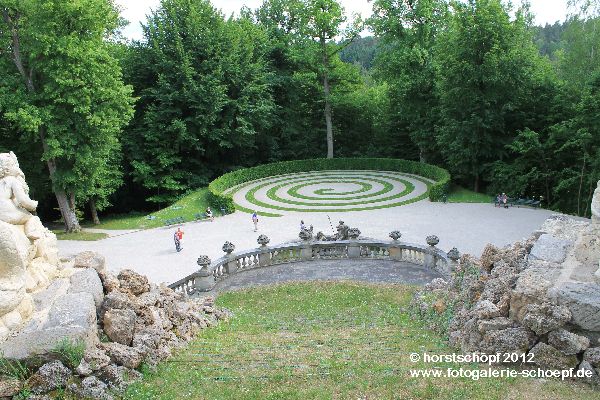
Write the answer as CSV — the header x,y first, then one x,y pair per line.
x,y
255,221
178,240
505,200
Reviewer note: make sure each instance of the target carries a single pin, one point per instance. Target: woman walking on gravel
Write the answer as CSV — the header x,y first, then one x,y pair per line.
x,y
255,221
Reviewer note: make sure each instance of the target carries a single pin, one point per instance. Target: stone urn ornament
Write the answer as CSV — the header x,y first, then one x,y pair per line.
x,y
228,247
395,235
263,240
353,233
432,240
203,262
454,254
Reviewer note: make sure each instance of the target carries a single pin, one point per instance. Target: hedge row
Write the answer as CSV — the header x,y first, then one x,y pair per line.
x,y
218,199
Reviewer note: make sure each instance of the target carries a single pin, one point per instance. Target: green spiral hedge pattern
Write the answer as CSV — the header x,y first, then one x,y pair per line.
x,y
221,193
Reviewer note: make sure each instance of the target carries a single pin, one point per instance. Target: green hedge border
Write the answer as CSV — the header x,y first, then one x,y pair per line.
x,y
218,199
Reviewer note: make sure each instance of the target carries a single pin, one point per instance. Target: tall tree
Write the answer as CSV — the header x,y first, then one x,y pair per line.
x,y
63,88
581,56
408,30
310,28
323,21
487,64
204,95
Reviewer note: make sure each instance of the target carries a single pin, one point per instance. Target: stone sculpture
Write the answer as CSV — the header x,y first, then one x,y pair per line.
x,y
306,234
596,205
342,231
28,251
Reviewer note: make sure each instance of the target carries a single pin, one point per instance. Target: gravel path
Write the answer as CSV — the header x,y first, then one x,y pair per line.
x,y
469,227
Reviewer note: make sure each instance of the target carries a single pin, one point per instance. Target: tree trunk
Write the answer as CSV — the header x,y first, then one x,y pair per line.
x,y
72,201
328,118
422,158
327,92
476,183
580,186
589,199
68,213
69,217
95,218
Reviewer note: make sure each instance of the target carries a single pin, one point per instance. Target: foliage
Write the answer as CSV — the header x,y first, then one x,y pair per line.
x,y
487,67
461,195
470,86
436,309
63,92
408,33
187,207
361,51
217,187
70,352
204,97
24,394
15,369
549,39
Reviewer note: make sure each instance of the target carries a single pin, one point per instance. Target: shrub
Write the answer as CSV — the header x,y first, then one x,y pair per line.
x,y
14,369
70,353
218,199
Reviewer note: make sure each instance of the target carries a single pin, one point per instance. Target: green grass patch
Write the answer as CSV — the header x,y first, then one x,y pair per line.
x,y
459,194
83,236
324,341
194,203
70,352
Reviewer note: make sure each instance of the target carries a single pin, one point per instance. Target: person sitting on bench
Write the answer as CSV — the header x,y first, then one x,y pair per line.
x,y
209,214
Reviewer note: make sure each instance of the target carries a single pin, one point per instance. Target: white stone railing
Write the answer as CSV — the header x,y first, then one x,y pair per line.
x,y
210,273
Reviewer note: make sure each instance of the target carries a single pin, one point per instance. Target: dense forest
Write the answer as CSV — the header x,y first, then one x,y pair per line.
x,y
104,124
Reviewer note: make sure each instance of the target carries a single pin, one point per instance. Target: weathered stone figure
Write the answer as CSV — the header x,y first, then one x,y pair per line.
x,y
596,205
28,251
15,205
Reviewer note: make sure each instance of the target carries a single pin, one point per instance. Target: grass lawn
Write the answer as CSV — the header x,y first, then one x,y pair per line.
x,y
325,341
459,194
87,236
194,203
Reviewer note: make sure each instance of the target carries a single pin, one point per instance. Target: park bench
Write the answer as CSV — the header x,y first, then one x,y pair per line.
x,y
201,216
531,203
174,221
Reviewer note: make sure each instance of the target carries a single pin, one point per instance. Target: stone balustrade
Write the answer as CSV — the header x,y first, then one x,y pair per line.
x,y
205,279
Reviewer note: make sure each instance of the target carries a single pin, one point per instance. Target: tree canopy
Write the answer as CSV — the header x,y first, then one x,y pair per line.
x,y
472,86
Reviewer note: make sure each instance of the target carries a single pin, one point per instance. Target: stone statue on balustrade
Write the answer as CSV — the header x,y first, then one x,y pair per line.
x,y
28,251
342,234
306,234
342,231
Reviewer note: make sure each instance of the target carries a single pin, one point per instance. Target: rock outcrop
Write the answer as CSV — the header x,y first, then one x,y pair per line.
x,y
536,297
122,324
